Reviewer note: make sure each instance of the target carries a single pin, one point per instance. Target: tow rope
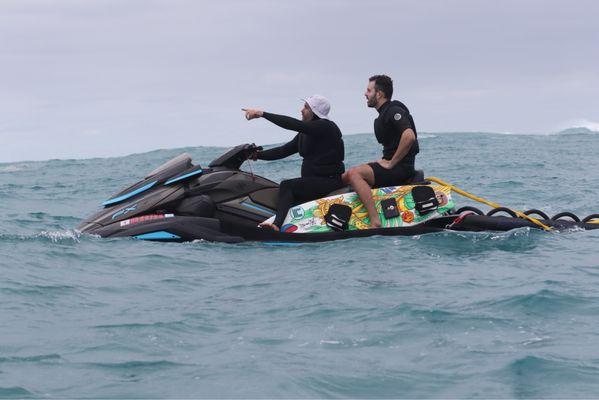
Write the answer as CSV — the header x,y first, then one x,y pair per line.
x,y
487,202
249,160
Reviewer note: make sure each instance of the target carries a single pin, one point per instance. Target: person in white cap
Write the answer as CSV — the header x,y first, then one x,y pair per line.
x,y
319,142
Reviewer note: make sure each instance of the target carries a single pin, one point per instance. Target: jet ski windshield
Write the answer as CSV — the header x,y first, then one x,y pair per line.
x,y
179,163
173,168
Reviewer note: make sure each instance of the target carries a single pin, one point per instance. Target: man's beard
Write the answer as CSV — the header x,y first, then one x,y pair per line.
x,y
307,118
371,101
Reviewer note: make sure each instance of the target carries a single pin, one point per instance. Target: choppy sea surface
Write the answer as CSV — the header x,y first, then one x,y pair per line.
x,y
483,315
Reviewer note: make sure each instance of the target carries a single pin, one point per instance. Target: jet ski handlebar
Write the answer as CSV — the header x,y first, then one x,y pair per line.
x,y
236,156
251,150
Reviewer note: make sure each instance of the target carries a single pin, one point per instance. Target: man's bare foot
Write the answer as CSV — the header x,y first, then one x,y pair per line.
x,y
375,223
268,225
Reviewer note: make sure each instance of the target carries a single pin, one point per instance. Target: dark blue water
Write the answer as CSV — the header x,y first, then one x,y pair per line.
x,y
490,315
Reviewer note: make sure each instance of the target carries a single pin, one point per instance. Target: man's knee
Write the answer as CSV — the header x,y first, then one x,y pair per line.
x,y
359,173
345,177
353,174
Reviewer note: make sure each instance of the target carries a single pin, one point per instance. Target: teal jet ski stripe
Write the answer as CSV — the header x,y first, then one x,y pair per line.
x,y
128,195
157,236
180,178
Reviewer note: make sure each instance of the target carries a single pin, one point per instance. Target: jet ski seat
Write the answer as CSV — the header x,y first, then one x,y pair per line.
x,y
343,190
418,177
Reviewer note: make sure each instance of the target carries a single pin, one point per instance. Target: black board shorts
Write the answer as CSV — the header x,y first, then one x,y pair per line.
x,y
398,175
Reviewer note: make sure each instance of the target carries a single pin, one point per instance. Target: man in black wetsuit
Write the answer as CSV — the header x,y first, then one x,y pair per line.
x,y
319,142
395,130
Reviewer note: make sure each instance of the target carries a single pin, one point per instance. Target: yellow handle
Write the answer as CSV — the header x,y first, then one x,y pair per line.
x,y
489,203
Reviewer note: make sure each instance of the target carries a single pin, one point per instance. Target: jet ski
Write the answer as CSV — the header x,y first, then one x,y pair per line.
x,y
181,202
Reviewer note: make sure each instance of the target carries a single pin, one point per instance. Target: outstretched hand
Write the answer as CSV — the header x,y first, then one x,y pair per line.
x,y
251,113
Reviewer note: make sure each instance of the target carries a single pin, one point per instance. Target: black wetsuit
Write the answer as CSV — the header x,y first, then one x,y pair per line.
x,y
320,144
394,118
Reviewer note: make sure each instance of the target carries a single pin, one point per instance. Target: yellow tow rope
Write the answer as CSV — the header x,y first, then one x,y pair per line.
x,y
489,203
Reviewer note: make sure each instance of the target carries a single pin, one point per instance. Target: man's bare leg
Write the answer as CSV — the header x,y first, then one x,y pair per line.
x,y
361,178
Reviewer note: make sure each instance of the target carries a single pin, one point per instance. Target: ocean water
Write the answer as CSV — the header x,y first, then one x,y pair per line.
x,y
487,315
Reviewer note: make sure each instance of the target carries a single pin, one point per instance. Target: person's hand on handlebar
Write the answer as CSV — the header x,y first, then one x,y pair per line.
x,y
251,151
253,155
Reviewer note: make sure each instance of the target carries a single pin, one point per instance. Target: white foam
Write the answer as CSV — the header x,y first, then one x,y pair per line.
x,y
580,124
330,341
58,236
13,168
585,123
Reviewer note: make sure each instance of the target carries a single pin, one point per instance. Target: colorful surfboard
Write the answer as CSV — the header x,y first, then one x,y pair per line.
x,y
309,217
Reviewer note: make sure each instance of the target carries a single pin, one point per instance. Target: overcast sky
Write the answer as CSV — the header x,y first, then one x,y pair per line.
x,y
92,78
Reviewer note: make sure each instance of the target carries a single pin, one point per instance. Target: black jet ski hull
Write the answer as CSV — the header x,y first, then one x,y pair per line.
x,y
185,228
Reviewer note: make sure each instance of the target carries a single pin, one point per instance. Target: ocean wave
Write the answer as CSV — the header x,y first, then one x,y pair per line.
x,y
544,301
25,359
174,325
38,290
11,186
437,316
542,365
136,365
477,243
583,124
482,236
379,383
543,377
578,130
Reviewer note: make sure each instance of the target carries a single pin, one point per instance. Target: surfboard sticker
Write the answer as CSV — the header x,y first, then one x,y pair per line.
x,y
309,217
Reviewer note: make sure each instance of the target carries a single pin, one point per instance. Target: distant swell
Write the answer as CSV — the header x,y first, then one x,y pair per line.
x,y
15,392
544,301
43,357
133,365
534,377
175,325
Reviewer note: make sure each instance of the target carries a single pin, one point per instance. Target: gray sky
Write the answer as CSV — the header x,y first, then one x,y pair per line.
x,y
98,78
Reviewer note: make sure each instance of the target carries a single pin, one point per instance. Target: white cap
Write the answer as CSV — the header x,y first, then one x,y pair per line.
x,y
319,105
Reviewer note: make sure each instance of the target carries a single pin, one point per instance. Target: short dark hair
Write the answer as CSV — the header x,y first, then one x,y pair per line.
x,y
384,84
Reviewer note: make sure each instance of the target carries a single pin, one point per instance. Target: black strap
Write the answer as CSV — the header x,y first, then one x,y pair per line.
x,y
390,209
425,199
338,216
